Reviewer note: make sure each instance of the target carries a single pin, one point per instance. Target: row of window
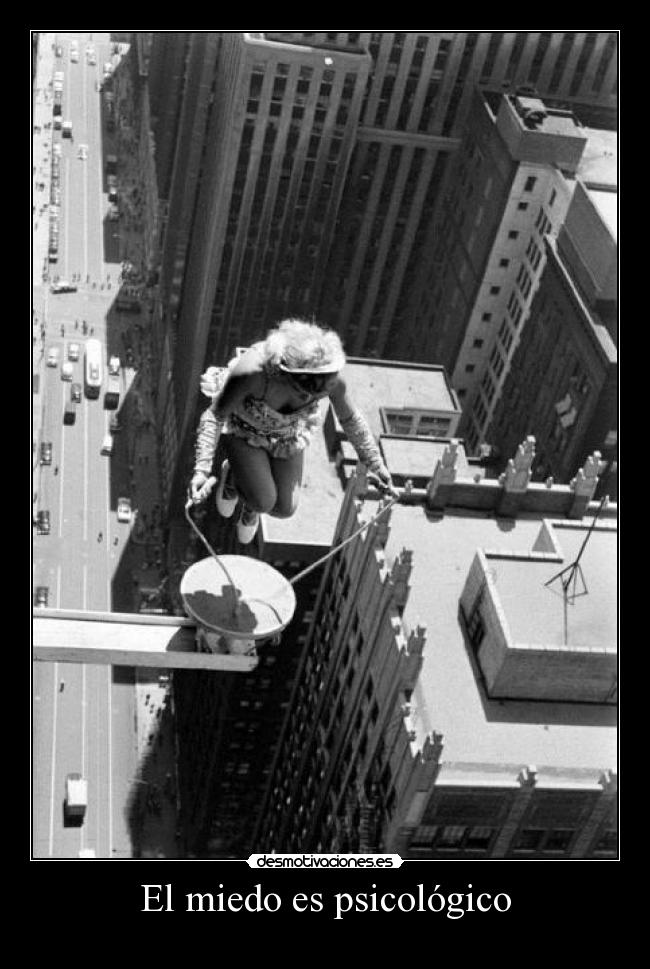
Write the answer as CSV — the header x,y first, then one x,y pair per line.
x,y
481,839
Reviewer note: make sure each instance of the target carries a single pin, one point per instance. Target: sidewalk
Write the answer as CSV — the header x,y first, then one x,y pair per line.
x,y
156,806
42,167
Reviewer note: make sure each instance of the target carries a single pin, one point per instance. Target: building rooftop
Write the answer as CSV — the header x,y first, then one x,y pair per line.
x,y
535,611
607,205
388,383
599,163
449,696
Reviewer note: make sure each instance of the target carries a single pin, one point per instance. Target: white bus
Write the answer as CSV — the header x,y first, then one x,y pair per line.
x,y
93,367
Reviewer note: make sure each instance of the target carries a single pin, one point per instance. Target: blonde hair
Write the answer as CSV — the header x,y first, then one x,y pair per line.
x,y
298,344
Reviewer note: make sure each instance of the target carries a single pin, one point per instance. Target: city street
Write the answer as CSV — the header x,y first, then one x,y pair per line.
x,y
85,717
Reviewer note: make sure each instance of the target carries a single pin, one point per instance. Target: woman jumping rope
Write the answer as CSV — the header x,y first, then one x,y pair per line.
x,y
266,405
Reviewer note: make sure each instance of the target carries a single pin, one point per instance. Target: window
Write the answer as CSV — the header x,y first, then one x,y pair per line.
x,y
486,317
469,368
451,837
529,839
495,290
478,838
513,234
477,344
475,628
530,183
558,840
522,206
607,844
504,263
552,198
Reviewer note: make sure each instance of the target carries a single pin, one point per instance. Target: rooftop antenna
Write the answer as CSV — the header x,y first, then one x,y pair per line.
x,y
572,574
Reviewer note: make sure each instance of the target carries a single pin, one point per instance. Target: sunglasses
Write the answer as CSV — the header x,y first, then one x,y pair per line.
x,y
311,383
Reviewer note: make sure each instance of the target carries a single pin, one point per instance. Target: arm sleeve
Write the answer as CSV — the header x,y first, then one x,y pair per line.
x,y
361,437
207,438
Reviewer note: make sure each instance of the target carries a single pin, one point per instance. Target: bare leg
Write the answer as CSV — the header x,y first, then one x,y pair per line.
x,y
287,474
251,468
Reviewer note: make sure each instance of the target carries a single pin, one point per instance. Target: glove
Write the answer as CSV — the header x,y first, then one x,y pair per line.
x,y
213,380
381,476
200,487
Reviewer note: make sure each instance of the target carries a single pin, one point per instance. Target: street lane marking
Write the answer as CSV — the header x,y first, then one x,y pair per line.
x,y
85,410
110,765
84,602
53,758
83,734
108,538
85,168
64,385
66,211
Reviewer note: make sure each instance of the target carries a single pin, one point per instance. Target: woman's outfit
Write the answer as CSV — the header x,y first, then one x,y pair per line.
x,y
260,425
255,422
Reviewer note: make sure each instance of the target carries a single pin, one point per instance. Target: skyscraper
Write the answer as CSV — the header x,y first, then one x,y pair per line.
x,y
228,726
448,703
563,382
319,182
510,187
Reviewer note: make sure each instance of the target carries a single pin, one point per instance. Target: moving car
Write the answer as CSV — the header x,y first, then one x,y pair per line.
x,y
53,357
70,412
43,523
123,510
63,287
73,352
59,50
46,452
113,213
66,131
42,595
67,370
75,393
83,152
114,366
76,797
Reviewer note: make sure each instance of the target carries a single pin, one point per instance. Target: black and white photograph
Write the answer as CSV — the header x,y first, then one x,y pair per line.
x,y
325,455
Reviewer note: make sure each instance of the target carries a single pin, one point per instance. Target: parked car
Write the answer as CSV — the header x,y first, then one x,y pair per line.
x,y
82,152
114,424
63,287
67,370
46,452
42,595
75,393
53,357
59,50
43,523
114,366
73,352
123,510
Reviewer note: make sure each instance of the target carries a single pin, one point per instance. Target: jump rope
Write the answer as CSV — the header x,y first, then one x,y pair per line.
x,y
296,578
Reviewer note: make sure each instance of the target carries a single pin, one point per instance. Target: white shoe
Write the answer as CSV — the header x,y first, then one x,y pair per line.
x,y
247,524
227,496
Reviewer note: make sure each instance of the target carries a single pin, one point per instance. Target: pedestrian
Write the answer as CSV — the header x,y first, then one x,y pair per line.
x,y
100,536
56,470
115,541
61,686
76,324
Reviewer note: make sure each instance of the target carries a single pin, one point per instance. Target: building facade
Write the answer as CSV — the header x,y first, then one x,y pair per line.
x,y
228,727
469,722
563,383
314,185
511,187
